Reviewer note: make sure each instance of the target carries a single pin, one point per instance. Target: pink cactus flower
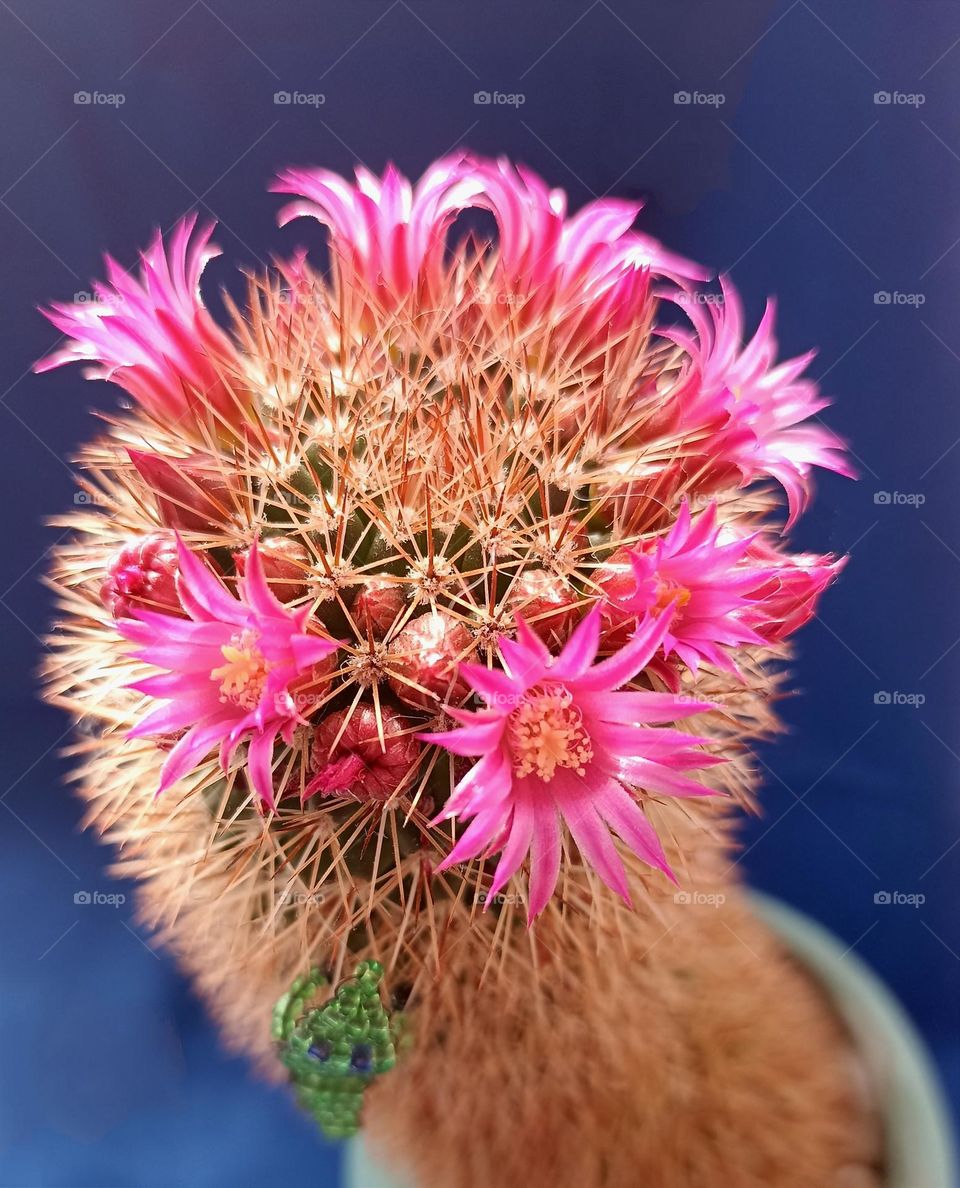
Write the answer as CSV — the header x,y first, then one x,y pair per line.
x,y
756,408
704,578
391,236
152,335
557,744
589,273
787,595
234,670
384,232
540,246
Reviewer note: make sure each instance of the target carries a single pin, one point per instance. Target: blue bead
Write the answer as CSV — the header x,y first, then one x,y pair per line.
x,y
361,1058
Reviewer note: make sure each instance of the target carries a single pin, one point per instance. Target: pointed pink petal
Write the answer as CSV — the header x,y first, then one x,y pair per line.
x,y
632,658
628,820
189,753
482,735
575,803
580,650
259,766
544,851
641,708
203,596
311,649
519,836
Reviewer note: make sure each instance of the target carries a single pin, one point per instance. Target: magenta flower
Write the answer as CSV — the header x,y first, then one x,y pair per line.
x,y
234,670
789,588
558,744
756,409
391,236
707,582
152,335
538,241
383,231
589,268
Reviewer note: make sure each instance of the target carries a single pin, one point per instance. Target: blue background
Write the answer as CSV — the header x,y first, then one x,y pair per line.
x,y
799,183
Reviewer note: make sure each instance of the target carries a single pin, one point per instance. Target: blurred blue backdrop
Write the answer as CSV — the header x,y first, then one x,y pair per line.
x,y
810,149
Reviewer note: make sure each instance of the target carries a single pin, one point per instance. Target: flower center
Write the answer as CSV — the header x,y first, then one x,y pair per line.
x,y
546,732
243,676
667,592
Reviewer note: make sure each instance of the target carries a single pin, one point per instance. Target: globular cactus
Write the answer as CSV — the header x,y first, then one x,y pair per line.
x,y
440,597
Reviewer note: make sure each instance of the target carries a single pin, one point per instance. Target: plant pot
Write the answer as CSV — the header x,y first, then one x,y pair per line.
x,y
919,1150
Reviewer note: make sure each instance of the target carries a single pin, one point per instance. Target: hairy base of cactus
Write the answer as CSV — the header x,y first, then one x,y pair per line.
x,y
247,904
699,1055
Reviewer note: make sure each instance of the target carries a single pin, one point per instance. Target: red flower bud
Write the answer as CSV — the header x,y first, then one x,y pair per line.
x,y
427,652
356,764
192,493
285,563
143,575
377,606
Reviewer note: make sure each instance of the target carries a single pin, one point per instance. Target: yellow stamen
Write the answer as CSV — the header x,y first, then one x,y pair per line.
x,y
243,676
547,732
667,593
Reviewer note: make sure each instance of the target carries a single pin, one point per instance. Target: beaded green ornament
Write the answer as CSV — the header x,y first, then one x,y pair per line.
x,y
333,1052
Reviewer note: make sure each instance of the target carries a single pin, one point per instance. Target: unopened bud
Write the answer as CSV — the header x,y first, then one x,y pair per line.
x,y
424,658
377,605
192,494
143,576
349,759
